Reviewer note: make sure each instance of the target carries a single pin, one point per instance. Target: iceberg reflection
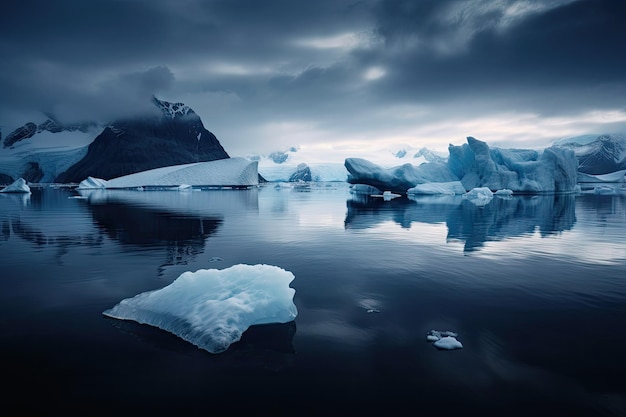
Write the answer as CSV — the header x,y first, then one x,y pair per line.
x,y
474,225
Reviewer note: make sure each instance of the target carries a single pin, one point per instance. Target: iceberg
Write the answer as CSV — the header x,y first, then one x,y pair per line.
x,y
438,188
18,186
92,183
554,170
397,179
229,172
475,165
480,196
212,308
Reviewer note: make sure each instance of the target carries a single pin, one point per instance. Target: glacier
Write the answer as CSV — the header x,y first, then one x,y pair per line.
x,y
476,165
229,172
212,308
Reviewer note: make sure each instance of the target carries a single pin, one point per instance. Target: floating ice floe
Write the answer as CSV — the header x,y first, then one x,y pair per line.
x,y
480,196
436,188
386,195
229,172
445,340
211,308
505,192
18,186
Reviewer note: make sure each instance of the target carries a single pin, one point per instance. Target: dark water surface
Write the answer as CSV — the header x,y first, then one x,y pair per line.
x,y
534,286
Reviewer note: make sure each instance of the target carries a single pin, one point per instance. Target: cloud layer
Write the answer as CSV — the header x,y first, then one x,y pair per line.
x,y
330,75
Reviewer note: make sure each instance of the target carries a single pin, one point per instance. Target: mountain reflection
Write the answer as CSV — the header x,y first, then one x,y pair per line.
x,y
500,219
142,226
183,236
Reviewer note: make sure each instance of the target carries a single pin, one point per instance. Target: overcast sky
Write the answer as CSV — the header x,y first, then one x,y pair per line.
x,y
340,77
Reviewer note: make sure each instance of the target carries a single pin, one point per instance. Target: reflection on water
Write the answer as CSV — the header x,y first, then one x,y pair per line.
x,y
474,225
181,237
536,305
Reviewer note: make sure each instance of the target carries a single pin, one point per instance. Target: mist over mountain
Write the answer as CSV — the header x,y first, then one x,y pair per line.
x,y
68,153
175,136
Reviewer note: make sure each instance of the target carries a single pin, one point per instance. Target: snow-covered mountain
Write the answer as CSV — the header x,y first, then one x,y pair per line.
x,y
42,147
417,156
290,166
173,136
49,151
597,155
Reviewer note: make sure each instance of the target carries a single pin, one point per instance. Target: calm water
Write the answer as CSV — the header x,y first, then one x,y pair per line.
x,y
535,287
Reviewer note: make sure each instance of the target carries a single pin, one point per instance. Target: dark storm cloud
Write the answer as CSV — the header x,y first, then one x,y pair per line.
x,y
49,47
283,58
571,49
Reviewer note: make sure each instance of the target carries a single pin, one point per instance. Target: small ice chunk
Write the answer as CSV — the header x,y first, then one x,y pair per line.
x,y
445,340
373,310
479,196
504,192
387,195
448,343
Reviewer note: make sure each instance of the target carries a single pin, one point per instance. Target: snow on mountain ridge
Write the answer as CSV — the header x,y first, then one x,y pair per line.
x,y
172,110
598,155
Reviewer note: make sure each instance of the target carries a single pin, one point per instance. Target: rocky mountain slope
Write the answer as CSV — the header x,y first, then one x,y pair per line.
x,y
174,136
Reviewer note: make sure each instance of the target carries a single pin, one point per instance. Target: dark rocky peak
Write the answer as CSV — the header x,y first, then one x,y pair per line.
x,y
303,173
50,125
21,133
606,154
125,146
173,110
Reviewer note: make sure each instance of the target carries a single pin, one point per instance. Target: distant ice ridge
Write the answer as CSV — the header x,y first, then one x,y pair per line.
x,y
475,165
320,172
222,172
212,308
616,177
18,186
